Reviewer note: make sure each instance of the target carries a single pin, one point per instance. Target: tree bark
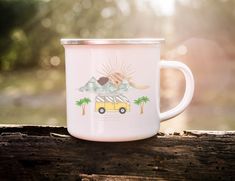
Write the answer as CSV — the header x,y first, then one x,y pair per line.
x,y
49,153
141,109
83,110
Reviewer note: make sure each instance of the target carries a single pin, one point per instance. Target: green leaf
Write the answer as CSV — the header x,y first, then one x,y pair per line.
x,y
86,100
83,101
79,103
141,100
144,99
137,101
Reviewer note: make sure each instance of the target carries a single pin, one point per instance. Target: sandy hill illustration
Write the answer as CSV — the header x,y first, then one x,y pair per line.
x,y
104,86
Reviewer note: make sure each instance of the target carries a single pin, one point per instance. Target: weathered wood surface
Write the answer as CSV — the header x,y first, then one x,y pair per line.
x,y
49,153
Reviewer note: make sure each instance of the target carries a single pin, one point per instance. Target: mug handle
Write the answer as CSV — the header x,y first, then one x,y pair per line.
x,y
188,95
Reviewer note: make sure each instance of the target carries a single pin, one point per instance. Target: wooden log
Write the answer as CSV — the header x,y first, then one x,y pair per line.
x,y
49,153
94,177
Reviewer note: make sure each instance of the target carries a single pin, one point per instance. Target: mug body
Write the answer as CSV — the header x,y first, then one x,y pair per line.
x,y
112,89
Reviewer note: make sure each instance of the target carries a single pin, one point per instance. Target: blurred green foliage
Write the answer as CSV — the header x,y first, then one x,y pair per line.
x,y
31,29
14,44
199,32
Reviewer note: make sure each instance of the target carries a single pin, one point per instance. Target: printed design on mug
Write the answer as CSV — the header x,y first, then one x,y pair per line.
x,y
82,103
111,86
118,103
141,101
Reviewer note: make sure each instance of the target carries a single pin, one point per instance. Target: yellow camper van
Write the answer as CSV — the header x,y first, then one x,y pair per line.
x,y
112,103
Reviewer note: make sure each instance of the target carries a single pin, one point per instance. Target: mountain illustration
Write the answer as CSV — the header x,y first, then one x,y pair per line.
x,y
103,86
91,86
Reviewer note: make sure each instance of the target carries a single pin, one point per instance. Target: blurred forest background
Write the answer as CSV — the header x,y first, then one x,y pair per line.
x,y
200,33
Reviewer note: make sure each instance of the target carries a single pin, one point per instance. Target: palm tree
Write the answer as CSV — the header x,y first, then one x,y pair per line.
x,y
82,103
140,102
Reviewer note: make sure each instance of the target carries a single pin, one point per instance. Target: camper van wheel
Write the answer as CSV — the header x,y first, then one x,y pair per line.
x,y
122,110
101,110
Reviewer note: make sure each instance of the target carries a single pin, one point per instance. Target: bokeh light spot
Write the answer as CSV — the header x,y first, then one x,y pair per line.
x,y
55,61
182,50
77,7
107,12
18,35
46,22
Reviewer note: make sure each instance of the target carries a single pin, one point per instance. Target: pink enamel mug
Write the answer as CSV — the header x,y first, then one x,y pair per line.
x,y
112,88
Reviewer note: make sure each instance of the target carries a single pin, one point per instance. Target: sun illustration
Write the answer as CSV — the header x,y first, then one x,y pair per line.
x,y
117,72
